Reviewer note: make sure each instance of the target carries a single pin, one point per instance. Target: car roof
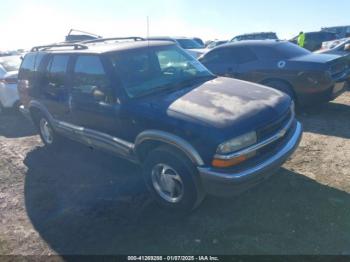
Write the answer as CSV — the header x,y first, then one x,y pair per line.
x,y
321,32
257,33
170,37
100,48
253,43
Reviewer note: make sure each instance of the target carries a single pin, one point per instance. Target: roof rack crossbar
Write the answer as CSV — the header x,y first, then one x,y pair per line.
x,y
135,38
45,47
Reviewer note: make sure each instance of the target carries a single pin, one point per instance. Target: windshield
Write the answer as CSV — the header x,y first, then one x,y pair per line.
x,y
151,70
10,63
188,44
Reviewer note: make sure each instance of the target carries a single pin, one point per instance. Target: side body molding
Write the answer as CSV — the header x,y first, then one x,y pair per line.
x,y
168,138
116,145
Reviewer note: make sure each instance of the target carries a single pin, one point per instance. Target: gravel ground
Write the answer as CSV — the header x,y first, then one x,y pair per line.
x,y
81,201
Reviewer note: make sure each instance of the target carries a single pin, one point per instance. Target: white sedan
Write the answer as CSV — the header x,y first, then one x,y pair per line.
x,y
9,66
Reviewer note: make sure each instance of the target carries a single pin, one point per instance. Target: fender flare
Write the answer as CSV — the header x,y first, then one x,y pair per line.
x,y
37,105
171,139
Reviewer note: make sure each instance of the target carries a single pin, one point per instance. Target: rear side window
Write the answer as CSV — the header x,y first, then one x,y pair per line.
x,y
29,65
57,68
232,55
89,74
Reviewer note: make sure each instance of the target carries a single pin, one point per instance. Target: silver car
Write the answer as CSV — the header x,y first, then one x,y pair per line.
x,y
8,81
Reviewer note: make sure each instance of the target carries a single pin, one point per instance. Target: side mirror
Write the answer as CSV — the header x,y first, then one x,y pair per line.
x,y
347,47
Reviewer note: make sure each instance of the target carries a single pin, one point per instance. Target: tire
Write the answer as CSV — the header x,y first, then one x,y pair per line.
x,y
283,87
179,176
47,134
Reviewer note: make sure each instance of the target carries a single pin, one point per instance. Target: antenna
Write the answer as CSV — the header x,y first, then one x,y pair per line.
x,y
148,31
147,26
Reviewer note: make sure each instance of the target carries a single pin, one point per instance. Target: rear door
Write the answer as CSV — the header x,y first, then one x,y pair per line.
x,y
93,103
55,86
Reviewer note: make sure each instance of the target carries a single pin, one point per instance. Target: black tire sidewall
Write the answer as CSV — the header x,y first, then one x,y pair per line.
x,y
186,170
283,87
55,137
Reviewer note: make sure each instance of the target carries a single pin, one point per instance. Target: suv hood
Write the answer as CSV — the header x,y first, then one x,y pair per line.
x,y
229,106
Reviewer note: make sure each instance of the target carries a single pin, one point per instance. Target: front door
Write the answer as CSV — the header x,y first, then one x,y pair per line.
x,y
92,100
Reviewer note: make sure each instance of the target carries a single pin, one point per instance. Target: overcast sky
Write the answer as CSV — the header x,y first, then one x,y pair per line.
x,y
26,23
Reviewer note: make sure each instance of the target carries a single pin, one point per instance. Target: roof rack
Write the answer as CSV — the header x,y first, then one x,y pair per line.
x,y
99,40
45,47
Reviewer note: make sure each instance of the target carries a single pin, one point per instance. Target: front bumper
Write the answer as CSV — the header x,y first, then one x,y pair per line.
x,y
225,183
338,87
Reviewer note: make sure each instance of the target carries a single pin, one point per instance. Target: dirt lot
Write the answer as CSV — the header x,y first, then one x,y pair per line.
x,y
81,201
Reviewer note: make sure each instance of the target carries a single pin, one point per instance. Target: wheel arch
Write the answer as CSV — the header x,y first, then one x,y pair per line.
x,y
276,79
36,108
151,139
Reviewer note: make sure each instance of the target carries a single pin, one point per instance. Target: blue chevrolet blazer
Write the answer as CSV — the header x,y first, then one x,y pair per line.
x,y
151,103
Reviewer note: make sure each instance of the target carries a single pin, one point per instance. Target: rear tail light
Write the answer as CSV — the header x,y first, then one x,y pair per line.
x,y
23,91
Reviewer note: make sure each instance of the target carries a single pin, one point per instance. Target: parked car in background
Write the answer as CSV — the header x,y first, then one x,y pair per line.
x,y
78,36
8,82
199,41
338,47
307,77
216,43
314,40
255,36
342,49
341,31
152,103
331,44
190,45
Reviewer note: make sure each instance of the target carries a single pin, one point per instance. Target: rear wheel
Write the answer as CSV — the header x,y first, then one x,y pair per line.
x,y
47,134
172,179
283,87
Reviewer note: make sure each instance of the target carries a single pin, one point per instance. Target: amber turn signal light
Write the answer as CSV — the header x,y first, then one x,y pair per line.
x,y
229,162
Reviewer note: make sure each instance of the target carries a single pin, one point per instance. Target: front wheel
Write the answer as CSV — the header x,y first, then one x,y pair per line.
x,y
172,179
283,87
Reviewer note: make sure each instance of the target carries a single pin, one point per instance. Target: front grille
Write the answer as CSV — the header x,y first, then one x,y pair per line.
x,y
272,128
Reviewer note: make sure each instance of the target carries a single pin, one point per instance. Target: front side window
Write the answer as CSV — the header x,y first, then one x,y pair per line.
x,y
89,75
232,55
151,70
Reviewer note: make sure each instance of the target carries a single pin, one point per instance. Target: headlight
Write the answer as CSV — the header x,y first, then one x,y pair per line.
x,y
237,143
